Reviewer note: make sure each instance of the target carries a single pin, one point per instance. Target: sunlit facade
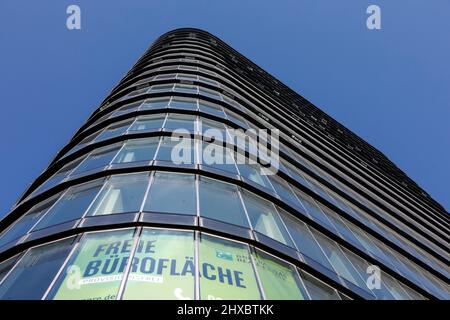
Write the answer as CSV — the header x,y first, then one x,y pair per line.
x,y
114,216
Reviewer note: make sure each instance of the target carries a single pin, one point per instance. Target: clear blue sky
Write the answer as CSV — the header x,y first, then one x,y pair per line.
x,y
391,87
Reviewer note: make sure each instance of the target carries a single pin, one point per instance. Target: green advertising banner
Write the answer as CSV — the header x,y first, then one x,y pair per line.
x,y
279,280
96,269
163,266
226,271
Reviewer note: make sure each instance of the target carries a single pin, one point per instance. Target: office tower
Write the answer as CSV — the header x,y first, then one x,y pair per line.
x,y
134,208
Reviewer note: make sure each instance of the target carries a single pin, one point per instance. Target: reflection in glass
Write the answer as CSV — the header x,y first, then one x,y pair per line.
x,y
138,150
264,218
148,123
34,272
98,158
122,193
220,201
173,193
24,224
71,205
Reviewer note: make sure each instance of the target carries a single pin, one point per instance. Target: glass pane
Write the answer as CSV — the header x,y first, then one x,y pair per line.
x,y
216,156
114,130
128,108
340,263
279,279
211,108
253,173
172,192
98,158
24,224
185,88
6,266
185,104
176,150
213,129
226,271
163,266
122,193
138,150
148,123
264,218
95,269
314,211
304,240
59,176
220,201
155,104
161,88
72,204
35,271
317,289
283,190
178,121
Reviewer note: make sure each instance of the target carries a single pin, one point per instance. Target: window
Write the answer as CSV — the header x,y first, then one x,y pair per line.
x,y
220,201
161,88
158,103
128,108
264,218
35,271
252,172
313,210
152,280
304,240
218,157
211,108
137,92
172,192
212,128
148,123
100,275
236,119
59,176
24,224
98,159
177,150
279,279
114,130
226,270
138,150
317,289
185,104
186,88
71,205
122,193
283,189
209,93
178,121
340,263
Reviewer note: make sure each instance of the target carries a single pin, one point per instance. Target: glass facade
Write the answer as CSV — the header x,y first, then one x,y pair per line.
x,y
137,212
